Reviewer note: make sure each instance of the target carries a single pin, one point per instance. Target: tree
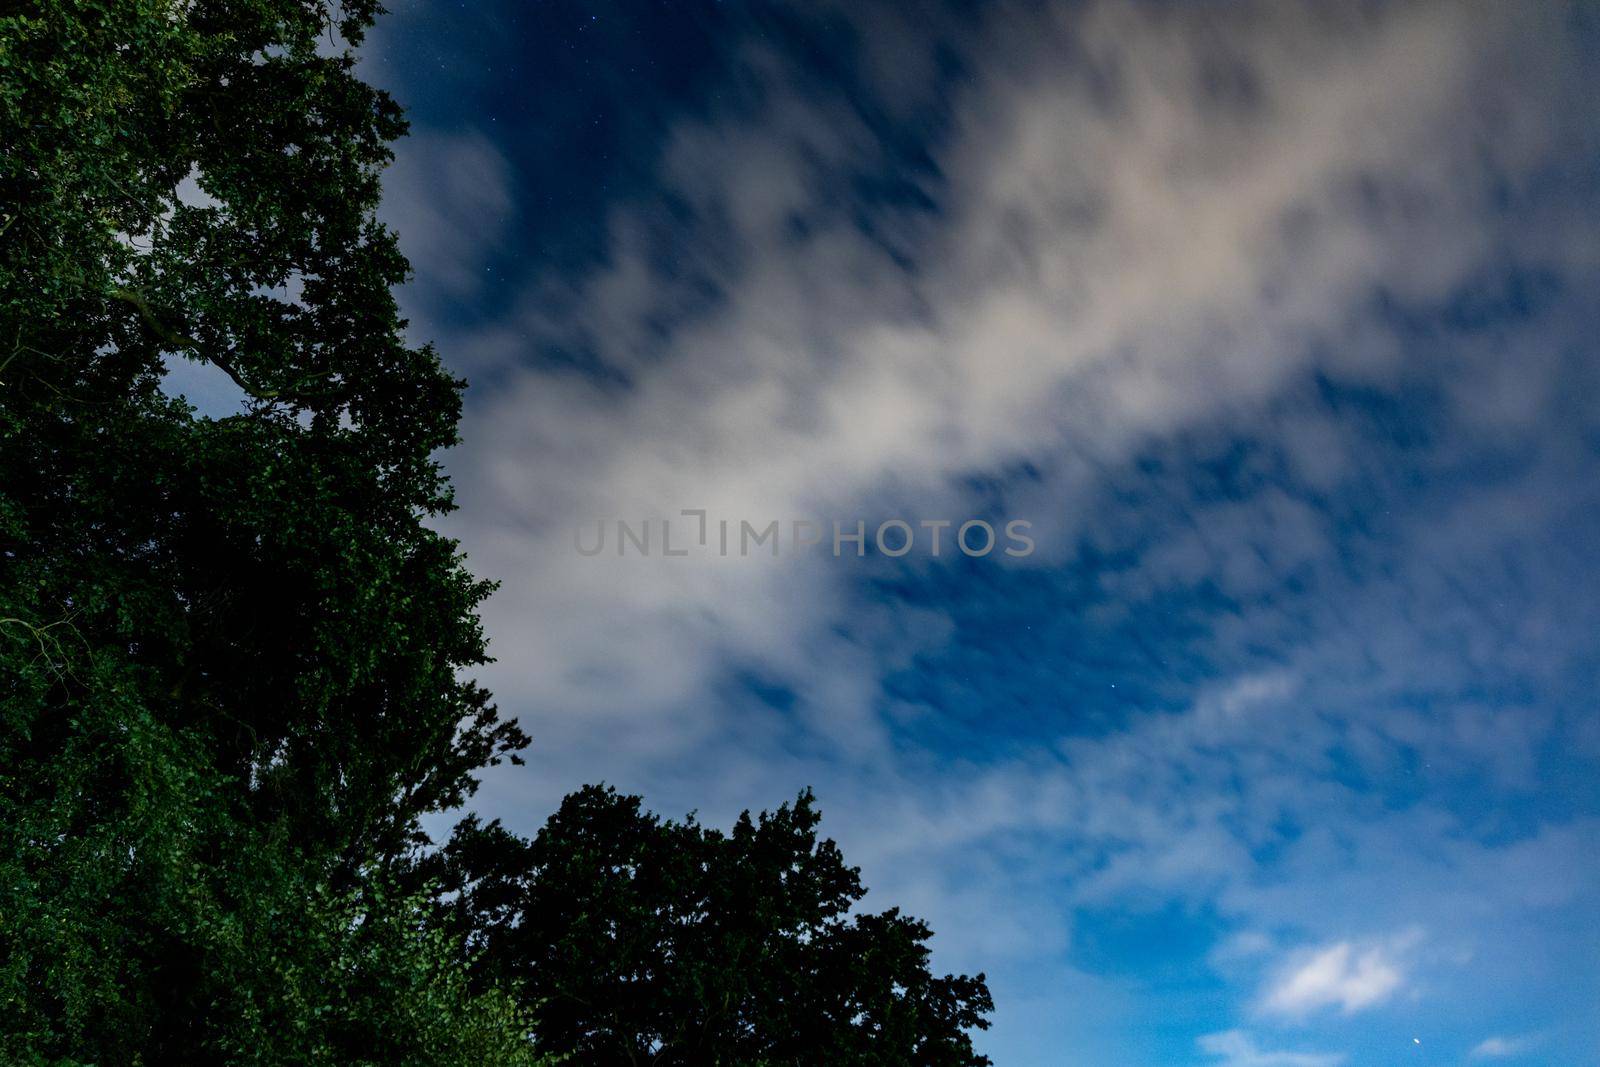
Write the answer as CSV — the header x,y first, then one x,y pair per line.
x,y
640,941
231,650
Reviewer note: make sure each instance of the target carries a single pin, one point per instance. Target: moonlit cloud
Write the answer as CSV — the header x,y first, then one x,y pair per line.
x,y
1494,1048
1342,975
1120,253
448,197
1235,1048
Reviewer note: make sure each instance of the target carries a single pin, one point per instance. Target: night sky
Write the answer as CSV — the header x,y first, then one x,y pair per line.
x,y
1278,323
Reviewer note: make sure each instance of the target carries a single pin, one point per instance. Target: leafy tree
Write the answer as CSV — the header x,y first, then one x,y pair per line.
x,y
650,942
230,650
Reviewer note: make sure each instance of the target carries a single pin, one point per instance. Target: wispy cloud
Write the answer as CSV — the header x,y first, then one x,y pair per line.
x,y
1345,975
1501,1047
449,198
1236,1048
1114,257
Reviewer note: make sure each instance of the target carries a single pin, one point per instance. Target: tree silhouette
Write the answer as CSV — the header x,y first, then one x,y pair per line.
x,y
640,941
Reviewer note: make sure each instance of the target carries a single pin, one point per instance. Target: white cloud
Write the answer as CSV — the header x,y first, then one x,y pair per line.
x,y
1118,257
1235,1048
1345,975
1499,1047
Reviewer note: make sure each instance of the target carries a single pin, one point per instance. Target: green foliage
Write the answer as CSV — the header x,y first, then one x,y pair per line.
x,y
230,650
642,941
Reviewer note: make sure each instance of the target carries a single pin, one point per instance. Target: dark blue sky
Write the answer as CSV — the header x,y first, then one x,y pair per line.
x,y
1276,323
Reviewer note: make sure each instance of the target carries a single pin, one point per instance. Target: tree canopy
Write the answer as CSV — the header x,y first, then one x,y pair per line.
x,y
643,941
235,657
232,647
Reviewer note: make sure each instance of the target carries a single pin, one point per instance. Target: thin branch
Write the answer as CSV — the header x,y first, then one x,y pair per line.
x,y
178,340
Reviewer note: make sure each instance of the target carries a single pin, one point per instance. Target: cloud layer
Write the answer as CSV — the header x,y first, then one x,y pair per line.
x,y
1269,318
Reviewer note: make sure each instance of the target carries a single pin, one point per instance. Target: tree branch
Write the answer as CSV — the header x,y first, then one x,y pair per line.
x,y
178,340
